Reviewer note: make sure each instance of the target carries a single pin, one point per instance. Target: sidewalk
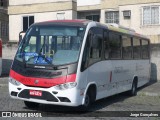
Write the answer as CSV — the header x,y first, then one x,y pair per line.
x,y
150,89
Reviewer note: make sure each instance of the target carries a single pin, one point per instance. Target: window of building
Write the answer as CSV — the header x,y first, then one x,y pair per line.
x,y
93,17
145,49
127,14
115,45
1,2
136,48
27,21
151,15
96,35
112,17
4,29
126,47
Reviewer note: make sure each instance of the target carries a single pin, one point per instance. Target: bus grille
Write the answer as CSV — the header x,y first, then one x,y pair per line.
x,y
45,96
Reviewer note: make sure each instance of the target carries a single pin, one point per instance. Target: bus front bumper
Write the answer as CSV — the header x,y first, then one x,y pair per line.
x,y
70,97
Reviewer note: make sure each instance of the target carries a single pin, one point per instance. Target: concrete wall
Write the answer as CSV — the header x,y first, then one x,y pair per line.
x,y
112,4
88,2
27,2
155,62
41,8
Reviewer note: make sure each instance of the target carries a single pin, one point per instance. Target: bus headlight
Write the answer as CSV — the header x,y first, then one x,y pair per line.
x,y
66,86
14,82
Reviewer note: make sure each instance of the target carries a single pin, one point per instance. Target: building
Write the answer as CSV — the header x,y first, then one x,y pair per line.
x,y
140,15
23,13
90,9
4,21
143,16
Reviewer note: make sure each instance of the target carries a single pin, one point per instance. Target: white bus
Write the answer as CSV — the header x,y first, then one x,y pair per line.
x,y
76,62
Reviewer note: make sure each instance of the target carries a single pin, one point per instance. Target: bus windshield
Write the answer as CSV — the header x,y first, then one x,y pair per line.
x,y
57,45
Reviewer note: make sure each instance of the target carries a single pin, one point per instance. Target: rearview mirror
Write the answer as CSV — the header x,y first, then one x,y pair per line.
x,y
21,35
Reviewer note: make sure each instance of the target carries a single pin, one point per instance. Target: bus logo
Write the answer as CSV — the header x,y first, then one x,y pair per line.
x,y
36,81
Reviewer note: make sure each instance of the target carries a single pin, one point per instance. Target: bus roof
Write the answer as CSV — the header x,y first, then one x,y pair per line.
x,y
65,22
83,22
124,30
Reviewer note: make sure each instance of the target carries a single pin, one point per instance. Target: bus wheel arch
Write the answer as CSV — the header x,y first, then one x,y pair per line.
x,y
93,91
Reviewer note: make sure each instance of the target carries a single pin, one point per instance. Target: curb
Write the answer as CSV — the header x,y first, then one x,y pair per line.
x,y
148,94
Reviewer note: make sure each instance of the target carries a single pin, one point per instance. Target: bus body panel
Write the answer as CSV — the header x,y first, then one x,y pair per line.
x,y
121,78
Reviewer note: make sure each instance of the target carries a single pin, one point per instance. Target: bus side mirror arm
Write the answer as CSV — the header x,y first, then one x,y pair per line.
x,y
20,37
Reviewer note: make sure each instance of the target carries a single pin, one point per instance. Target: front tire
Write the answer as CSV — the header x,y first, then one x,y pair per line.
x,y
87,103
31,104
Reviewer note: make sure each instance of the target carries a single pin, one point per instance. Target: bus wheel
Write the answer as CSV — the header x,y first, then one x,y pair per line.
x,y
87,102
31,104
133,91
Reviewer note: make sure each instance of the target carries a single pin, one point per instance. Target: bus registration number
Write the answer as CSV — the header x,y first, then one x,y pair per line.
x,y
35,93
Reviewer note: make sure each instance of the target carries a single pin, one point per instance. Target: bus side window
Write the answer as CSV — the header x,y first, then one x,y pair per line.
x,y
145,49
126,47
115,45
96,45
136,48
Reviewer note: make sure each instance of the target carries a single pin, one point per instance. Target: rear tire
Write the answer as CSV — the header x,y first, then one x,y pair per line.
x,y
31,104
133,91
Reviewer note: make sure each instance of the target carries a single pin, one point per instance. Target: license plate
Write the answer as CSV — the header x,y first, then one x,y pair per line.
x,y
35,93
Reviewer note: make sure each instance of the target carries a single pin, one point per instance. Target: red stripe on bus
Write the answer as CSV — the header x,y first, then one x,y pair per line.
x,y
0,48
42,82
